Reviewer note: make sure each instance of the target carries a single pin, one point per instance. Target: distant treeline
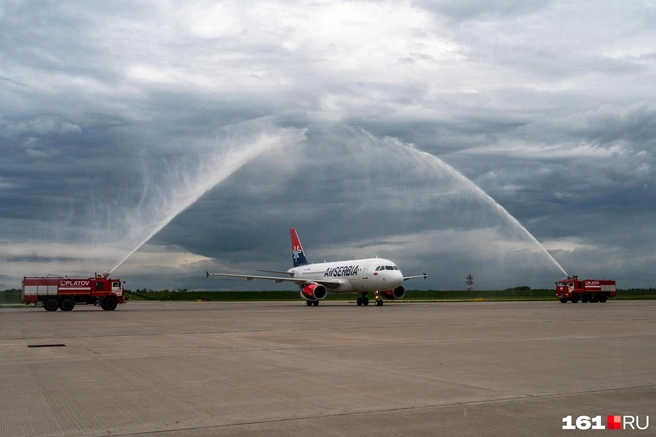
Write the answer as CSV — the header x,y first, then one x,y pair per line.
x,y
10,296
518,293
181,294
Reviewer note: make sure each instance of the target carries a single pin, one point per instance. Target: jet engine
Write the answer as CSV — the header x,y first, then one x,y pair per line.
x,y
397,293
313,292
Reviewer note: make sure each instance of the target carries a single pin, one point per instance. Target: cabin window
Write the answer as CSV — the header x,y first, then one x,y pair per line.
x,y
116,284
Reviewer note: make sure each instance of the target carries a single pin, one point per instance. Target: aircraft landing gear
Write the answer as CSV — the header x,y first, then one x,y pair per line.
x,y
364,300
312,302
379,302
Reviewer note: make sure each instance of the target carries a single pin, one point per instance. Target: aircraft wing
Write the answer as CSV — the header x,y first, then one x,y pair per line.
x,y
405,278
329,283
282,272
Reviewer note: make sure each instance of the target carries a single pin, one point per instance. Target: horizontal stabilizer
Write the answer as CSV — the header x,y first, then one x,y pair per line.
x,y
424,275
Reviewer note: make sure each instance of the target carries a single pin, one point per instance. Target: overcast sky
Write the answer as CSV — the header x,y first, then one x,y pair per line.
x,y
358,123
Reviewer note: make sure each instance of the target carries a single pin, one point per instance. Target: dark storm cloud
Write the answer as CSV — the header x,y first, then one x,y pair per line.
x,y
387,194
36,258
546,105
608,124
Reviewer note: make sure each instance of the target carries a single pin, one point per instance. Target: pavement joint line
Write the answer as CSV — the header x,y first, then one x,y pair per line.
x,y
292,349
349,328
344,347
392,410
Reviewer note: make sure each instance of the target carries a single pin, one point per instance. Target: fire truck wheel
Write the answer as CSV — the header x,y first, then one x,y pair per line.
x,y
51,304
603,298
575,298
563,300
110,303
66,304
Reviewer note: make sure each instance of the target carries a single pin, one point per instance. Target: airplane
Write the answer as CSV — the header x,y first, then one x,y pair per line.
x,y
371,275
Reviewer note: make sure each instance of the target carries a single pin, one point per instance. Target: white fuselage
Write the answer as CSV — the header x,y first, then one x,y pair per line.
x,y
354,276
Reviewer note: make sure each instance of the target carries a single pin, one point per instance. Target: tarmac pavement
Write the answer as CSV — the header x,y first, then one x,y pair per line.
x,y
285,369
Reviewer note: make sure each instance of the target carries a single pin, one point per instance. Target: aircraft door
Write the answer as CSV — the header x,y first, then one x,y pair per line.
x,y
365,270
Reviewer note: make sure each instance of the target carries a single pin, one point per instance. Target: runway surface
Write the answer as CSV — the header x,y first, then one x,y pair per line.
x,y
284,369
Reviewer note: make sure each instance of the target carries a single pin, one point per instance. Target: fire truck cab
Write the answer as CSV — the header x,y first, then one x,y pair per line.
x,y
586,290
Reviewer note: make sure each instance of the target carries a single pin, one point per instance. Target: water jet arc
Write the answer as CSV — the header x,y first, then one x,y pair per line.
x,y
215,169
433,160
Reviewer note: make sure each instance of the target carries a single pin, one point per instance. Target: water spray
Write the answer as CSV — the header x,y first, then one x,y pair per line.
x,y
213,168
188,187
478,191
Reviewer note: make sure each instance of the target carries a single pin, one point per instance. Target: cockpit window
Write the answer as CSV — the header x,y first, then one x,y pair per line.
x,y
389,268
396,268
377,268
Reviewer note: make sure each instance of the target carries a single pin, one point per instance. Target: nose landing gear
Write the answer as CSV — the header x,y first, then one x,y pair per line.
x,y
364,300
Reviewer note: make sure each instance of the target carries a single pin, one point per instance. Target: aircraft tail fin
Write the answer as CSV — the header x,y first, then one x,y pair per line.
x,y
298,256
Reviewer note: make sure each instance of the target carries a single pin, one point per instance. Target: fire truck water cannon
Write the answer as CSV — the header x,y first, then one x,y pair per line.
x,y
574,289
64,292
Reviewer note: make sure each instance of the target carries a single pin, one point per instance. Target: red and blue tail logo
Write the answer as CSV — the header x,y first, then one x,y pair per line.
x,y
298,256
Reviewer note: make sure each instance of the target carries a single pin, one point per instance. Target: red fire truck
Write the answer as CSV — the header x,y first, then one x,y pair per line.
x,y
585,290
64,292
